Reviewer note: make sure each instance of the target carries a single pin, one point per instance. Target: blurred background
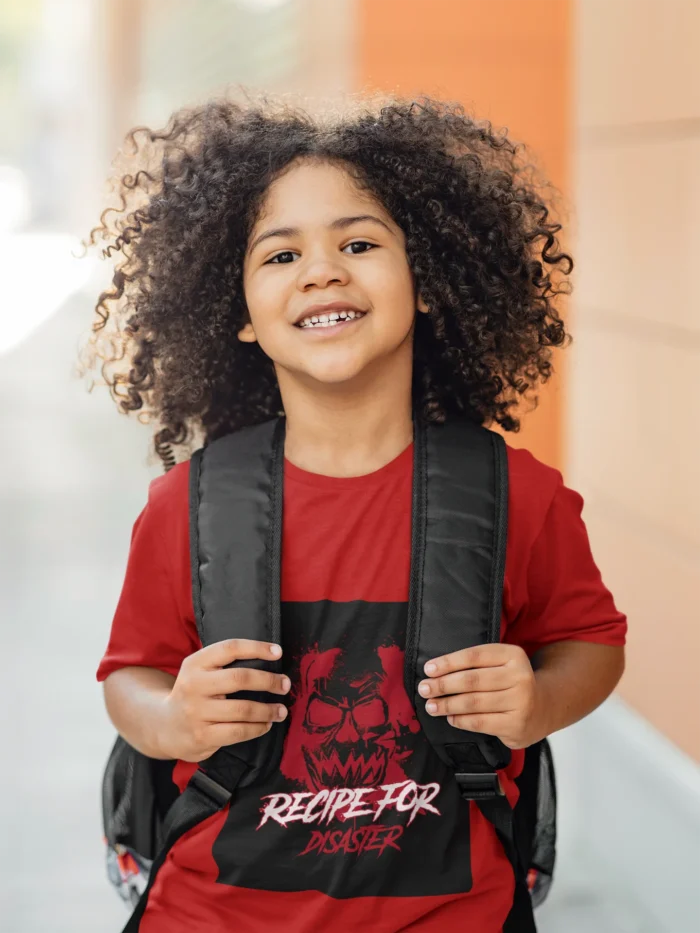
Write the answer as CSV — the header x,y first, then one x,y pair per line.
x,y
606,93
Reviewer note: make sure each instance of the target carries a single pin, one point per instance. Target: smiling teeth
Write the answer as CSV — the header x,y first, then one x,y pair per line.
x,y
331,319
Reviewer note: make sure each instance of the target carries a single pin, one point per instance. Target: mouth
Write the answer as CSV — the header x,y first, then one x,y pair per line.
x,y
330,318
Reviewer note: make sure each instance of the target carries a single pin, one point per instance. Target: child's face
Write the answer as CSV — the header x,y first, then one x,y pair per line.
x,y
320,241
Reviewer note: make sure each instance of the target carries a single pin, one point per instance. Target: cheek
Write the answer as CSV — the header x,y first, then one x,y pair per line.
x,y
393,287
255,298
265,303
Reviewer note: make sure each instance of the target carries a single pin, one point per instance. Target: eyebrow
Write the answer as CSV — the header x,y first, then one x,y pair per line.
x,y
340,224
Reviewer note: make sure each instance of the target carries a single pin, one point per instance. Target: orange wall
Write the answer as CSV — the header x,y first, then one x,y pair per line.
x,y
634,449
505,60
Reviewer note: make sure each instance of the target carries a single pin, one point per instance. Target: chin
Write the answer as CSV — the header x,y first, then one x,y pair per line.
x,y
339,375
336,369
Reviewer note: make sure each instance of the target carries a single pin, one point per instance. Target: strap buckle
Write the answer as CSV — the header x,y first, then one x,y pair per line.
x,y
210,788
478,786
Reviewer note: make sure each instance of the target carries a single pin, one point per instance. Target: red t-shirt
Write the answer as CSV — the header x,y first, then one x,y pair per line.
x,y
362,827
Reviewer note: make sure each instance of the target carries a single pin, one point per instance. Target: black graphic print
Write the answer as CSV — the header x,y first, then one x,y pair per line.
x,y
360,800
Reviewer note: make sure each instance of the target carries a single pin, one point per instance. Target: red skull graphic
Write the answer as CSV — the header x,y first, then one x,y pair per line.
x,y
349,728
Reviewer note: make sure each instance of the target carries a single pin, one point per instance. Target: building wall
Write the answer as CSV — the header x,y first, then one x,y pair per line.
x,y
632,437
505,60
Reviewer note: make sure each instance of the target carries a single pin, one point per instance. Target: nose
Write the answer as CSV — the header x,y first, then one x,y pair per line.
x,y
320,272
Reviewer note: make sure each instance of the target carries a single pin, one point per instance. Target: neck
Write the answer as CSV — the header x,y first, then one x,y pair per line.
x,y
348,429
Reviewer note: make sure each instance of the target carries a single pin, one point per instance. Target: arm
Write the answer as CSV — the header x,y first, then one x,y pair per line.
x,y
572,679
190,717
135,700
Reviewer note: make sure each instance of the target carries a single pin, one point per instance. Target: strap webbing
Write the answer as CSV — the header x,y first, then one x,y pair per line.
x,y
202,798
521,918
499,813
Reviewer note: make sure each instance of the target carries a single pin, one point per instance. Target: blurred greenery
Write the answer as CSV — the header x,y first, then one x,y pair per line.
x,y
184,54
19,21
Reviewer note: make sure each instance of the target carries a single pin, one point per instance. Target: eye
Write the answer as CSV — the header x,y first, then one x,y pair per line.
x,y
282,258
362,247
288,255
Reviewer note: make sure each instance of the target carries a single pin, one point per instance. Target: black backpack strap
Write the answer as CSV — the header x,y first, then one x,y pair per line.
x,y
458,553
460,502
236,494
499,812
236,489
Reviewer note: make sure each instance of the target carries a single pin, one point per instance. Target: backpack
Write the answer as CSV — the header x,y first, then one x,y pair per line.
x,y
459,519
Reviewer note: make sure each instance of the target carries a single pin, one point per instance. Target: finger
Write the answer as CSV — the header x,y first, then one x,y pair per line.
x,y
214,711
234,679
503,701
219,734
480,680
488,723
224,652
492,655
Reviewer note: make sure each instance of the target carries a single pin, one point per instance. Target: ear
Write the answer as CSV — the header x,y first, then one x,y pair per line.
x,y
247,334
422,306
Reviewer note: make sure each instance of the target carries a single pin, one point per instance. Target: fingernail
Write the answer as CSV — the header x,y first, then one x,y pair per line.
x,y
275,651
424,689
451,720
281,712
286,683
430,668
431,707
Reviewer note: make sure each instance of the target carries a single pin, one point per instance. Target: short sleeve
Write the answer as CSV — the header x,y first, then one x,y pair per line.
x,y
557,594
153,625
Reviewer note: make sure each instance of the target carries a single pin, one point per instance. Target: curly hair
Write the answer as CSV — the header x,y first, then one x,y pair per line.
x,y
480,243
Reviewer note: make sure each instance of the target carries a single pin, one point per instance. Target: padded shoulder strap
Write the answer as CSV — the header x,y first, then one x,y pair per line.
x,y
235,534
235,548
236,487
460,499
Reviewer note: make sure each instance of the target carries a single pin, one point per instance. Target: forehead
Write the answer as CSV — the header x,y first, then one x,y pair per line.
x,y
312,193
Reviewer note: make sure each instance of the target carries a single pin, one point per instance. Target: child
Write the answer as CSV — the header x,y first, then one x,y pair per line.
x,y
350,274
